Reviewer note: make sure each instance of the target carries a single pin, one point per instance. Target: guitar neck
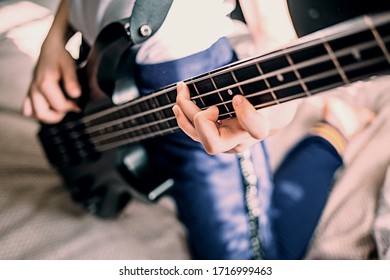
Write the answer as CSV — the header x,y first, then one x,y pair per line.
x,y
334,57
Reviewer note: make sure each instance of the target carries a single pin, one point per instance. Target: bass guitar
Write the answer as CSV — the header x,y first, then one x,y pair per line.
x,y
99,152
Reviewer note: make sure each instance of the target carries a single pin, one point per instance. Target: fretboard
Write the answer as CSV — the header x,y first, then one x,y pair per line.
x,y
334,57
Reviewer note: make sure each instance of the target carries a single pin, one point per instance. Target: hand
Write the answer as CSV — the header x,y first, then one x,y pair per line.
x,y
45,99
229,135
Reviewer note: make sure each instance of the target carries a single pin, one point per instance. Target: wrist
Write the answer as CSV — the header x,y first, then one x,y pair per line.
x,y
331,134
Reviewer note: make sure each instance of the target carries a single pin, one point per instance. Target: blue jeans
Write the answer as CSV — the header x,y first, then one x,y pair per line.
x,y
209,190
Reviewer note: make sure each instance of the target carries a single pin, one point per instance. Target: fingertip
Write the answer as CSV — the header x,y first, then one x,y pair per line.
x,y
181,85
212,112
253,122
175,110
182,89
240,103
238,100
27,109
74,91
72,87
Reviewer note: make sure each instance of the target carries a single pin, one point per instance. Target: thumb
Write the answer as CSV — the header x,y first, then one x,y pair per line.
x,y
250,119
70,79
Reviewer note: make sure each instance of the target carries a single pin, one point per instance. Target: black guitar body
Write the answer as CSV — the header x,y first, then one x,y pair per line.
x,y
103,182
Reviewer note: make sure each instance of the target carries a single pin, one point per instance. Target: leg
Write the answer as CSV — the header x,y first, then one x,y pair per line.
x,y
302,184
305,178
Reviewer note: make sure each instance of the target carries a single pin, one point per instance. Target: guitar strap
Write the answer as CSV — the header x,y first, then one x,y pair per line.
x,y
147,17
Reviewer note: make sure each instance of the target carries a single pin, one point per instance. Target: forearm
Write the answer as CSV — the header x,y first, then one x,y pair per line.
x,y
253,21
58,30
268,22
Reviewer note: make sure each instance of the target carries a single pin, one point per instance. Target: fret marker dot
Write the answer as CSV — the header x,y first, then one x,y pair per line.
x,y
230,92
280,77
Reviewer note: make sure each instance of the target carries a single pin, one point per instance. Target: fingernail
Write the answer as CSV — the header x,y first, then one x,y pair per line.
x,y
76,92
237,100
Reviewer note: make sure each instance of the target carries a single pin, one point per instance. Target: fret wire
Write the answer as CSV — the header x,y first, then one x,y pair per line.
x,y
198,93
267,104
159,106
285,99
301,44
144,117
162,91
127,105
323,58
167,96
219,95
236,81
377,37
176,128
126,119
310,62
318,90
104,147
335,61
128,130
155,104
87,118
319,76
298,75
291,84
266,82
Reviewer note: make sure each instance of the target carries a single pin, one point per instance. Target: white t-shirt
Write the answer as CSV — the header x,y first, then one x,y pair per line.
x,y
190,27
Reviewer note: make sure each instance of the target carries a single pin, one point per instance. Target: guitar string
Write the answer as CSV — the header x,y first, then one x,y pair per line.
x,y
238,84
288,69
301,44
326,74
114,143
341,52
239,64
285,70
314,61
330,34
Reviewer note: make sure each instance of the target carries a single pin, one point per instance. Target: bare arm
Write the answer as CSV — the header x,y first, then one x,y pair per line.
x,y
45,100
268,22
